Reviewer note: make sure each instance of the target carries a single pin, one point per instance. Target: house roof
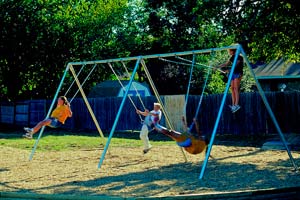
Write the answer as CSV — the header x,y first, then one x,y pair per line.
x,y
277,69
110,88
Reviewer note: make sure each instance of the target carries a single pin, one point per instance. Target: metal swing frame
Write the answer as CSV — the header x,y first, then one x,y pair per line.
x,y
140,60
70,68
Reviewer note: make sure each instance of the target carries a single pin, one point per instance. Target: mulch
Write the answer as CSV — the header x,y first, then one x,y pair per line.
x,y
127,172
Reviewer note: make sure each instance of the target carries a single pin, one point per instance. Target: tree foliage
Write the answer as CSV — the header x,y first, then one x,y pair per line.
x,y
267,29
179,26
38,38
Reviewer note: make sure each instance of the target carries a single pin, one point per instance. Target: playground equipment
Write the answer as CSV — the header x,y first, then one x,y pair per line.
x,y
140,61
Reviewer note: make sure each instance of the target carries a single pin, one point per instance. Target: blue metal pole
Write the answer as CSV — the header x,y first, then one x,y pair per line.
x,y
262,94
219,113
119,113
49,111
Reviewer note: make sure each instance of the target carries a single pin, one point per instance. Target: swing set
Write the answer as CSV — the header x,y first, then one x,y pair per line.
x,y
140,62
180,144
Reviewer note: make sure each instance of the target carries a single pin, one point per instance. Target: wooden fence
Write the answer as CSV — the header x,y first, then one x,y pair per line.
x,y
252,118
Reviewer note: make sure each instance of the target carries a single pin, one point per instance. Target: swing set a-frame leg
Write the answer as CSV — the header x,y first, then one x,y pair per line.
x,y
262,94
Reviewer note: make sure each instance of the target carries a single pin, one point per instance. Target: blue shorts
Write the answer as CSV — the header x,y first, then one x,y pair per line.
x,y
186,143
54,123
235,76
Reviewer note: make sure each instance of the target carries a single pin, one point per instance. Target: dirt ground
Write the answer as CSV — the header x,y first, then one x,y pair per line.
x,y
126,172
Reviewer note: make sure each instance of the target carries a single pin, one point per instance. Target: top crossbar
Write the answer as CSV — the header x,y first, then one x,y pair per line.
x,y
154,56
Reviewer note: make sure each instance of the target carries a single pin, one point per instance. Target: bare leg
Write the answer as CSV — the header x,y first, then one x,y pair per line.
x,y
197,129
233,94
184,124
170,133
237,83
45,122
236,90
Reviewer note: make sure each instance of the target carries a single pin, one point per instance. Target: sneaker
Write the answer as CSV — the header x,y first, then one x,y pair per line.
x,y
28,136
146,150
231,107
28,130
236,108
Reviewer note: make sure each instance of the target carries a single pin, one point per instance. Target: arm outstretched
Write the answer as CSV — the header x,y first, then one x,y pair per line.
x,y
184,124
197,127
145,113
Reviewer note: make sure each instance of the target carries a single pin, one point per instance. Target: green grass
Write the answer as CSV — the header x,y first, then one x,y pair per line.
x,y
73,142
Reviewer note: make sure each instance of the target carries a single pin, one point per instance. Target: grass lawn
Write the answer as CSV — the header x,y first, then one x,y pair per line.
x,y
73,142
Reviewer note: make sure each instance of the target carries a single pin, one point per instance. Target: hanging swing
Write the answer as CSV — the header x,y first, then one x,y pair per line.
x,y
191,144
76,80
124,89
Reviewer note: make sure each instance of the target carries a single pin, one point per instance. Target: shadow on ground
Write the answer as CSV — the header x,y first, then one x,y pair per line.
x,y
182,178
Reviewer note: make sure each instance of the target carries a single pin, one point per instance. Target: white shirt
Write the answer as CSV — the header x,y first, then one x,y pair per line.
x,y
156,113
150,119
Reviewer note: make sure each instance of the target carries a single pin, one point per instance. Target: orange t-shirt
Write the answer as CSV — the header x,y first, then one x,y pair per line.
x,y
61,113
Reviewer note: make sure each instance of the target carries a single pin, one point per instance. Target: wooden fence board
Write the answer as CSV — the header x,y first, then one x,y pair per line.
x,y
174,106
7,114
252,119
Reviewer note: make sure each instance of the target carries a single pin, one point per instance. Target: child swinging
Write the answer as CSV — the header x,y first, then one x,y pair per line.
x,y
190,143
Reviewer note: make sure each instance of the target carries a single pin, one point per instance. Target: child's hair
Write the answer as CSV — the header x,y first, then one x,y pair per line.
x,y
66,102
157,104
234,50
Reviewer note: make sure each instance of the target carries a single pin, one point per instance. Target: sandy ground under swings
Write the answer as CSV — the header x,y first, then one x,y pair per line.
x,y
126,172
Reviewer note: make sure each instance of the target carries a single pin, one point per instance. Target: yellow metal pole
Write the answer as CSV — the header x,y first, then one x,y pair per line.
x,y
86,102
160,101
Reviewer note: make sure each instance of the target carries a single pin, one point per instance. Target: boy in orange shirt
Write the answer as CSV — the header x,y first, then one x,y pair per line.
x,y
58,117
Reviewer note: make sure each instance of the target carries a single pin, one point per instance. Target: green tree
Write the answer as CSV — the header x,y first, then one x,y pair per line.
x,y
39,37
217,83
266,29
179,26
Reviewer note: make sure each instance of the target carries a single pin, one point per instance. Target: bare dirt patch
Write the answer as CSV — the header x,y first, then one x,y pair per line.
x,y
126,172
